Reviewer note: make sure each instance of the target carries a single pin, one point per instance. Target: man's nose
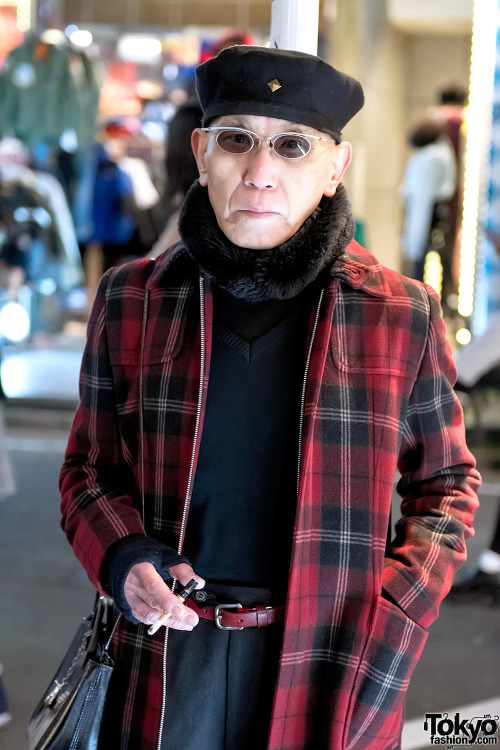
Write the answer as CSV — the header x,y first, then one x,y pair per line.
x,y
261,170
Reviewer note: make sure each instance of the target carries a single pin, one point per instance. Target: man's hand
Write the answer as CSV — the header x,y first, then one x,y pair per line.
x,y
148,595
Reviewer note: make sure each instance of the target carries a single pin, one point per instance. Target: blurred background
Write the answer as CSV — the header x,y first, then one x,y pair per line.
x,y
97,102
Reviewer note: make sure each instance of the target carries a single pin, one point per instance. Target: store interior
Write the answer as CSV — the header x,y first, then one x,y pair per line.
x,y
89,89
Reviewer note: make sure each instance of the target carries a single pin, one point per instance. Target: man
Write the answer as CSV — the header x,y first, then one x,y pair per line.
x,y
429,182
246,400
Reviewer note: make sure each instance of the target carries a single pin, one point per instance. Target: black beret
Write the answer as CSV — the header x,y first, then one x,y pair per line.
x,y
285,84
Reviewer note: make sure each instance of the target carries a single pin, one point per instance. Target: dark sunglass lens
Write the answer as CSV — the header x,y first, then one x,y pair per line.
x,y
234,142
292,146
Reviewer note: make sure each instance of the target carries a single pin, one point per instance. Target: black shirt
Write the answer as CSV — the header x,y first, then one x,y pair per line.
x,y
242,510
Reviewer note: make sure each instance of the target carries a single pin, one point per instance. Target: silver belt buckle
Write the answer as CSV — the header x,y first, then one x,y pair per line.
x,y
218,615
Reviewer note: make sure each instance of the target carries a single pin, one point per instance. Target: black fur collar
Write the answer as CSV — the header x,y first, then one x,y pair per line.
x,y
280,273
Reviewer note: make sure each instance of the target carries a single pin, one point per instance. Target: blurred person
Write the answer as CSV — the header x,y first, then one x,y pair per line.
x,y
181,170
429,182
113,222
246,399
108,236
144,195
124,195
449,113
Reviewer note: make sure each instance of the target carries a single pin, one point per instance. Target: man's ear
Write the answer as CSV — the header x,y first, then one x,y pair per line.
x,y
199,145
341,158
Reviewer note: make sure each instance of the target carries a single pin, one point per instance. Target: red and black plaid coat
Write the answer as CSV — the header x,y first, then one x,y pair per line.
x,y
379,399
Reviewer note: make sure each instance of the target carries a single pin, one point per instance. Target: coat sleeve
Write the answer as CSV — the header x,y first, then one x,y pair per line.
x,y
438,485
99,495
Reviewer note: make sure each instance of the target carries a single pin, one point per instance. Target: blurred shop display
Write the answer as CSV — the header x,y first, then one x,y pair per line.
x,y
92,110
430,182
48,91
41,277
37,232
50,94
119,96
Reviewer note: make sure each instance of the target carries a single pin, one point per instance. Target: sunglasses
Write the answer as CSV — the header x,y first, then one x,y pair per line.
x,y
286,145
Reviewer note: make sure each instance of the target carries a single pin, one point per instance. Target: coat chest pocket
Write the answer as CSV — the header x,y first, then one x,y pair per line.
x,y
390,655
154,379
165,324
359,354
157,351
373,336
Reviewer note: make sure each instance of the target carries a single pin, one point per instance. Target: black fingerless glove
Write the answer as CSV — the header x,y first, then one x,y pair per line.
x,y
121,557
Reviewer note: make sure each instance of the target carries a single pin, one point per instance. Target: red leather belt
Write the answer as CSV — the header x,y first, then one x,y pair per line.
x,y
236,617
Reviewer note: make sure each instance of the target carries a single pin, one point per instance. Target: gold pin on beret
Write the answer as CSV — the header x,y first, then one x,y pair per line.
x,y
274,85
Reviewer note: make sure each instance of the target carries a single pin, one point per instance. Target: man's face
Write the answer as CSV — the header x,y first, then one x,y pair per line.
x,y
259,198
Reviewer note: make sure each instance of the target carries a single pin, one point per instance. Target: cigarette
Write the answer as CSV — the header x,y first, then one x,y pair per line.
x,y
182,596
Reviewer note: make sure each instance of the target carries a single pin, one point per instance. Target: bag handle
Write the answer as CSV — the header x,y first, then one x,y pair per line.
x,y
102,608
105,649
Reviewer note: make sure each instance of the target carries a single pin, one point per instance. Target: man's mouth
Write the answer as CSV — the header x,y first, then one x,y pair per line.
x,y
257,213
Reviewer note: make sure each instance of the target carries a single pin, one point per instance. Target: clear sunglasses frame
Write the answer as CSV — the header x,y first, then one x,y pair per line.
x,y
219,129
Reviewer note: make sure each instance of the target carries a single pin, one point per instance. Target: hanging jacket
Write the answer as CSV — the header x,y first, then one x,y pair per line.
x,y
378,398
47,89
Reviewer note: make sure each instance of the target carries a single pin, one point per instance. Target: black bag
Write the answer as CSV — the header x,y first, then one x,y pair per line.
x,y
68,717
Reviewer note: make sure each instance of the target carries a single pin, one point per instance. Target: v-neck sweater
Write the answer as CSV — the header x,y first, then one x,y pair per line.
x,y
242,510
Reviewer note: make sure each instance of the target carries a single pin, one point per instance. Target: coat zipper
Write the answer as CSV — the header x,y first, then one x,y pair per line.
x,y
141,399
304,385
301,428
188,492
